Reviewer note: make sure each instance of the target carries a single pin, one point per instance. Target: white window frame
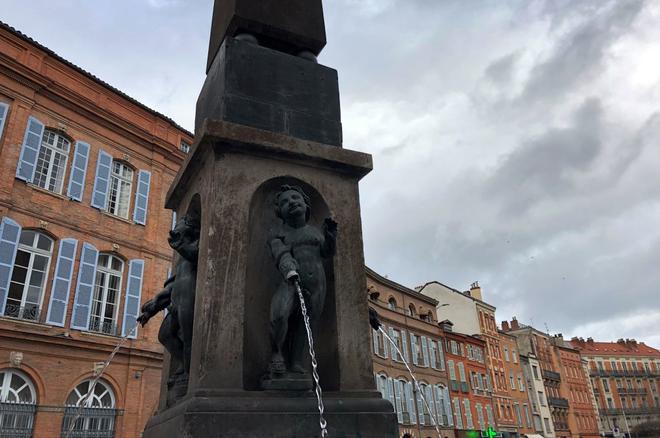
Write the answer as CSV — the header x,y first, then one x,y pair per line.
x,y
33,251
54,150
103,299
119,189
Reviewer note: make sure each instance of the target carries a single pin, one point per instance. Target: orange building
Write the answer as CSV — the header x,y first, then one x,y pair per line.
x,y
469,382
625,377
84,171
518,407
409,319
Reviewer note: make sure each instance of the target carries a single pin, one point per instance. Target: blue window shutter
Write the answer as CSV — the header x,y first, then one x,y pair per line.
x,y
59,295
142,197
102,180
133,296
78,171
4,110
82,304
27,163
10,232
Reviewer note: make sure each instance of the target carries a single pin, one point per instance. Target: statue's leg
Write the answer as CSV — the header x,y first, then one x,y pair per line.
x,y
300,354
186,312
167,335
280,310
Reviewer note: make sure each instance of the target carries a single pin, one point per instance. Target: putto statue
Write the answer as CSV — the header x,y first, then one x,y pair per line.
x,y
298,250
178,297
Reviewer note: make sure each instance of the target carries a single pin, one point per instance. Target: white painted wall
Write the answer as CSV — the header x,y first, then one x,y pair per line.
x,y
462,310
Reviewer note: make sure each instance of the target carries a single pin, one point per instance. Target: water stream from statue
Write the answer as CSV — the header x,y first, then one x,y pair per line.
x,y
319,394
88,397
419,389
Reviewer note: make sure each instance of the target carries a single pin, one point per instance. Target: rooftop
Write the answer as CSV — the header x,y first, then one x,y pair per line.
x,y
401,288
49,52
622,347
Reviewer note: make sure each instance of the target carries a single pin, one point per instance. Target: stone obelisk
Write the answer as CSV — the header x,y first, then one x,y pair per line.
x,y
268,117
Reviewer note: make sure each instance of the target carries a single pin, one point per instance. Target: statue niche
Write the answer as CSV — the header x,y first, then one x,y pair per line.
x,y
298,250
178,297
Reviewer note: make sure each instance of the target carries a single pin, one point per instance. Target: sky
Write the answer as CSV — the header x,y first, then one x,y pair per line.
x,y
515,142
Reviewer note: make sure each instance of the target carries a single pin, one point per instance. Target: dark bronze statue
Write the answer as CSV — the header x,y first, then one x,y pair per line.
x,y
298,250
178,297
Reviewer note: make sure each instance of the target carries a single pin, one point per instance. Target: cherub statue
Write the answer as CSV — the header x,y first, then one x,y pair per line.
x,y
178,297
298,250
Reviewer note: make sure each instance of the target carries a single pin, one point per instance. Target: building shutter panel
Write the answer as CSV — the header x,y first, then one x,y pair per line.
x,y
102,180
76,188
404,346
428,392
374,337
459,415
27,163
420,406
447,405
392,349
398,395
432,356
390,392
425,351
410,399
85,287
385,342
4,110
10,232
59,295
142,197
133,295
413,348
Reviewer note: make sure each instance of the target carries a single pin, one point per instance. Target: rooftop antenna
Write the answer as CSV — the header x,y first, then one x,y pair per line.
x,y
547,330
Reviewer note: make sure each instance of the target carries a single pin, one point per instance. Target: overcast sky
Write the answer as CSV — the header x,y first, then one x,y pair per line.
x,y
516,143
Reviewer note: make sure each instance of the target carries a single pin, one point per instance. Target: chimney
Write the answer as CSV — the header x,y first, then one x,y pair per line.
x,y
446,325
475,291
514,324
590,341
620,341
505,326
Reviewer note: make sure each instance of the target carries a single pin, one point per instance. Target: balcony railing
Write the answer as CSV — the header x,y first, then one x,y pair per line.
x,y
90,423
558,402
631,391
453,384
621,373
406,417
26,313
629,411
551,375
465,387
17,420
105,327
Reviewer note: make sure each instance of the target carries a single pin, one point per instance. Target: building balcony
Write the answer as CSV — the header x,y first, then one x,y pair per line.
x,y
551,375
25,313
104,327
630,411
558,402
465,387
632,391
621,373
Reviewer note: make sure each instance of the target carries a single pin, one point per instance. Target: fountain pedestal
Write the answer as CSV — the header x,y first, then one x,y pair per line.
x,y
266,119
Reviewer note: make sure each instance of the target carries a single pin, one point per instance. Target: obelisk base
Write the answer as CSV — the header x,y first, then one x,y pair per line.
x,y
249,414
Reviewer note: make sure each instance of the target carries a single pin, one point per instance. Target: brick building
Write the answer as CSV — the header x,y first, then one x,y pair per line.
x,y
469,382
84,171
565,383
625,378
409,319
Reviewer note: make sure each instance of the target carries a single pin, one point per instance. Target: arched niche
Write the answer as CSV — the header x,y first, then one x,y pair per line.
x,y
263,278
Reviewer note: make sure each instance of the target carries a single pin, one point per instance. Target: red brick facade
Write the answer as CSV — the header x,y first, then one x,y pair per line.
x,y
36,84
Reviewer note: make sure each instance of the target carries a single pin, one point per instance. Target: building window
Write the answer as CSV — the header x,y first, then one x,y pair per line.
x,y
512,381
606,385
541,398
391,304
97,417
17,404
105,304
514,356
184,147
468,413
437,355
443,406
506,354
535,370
121,182
28,278
457,413
379,345
396,336
547,425
521,385
411,310
51,163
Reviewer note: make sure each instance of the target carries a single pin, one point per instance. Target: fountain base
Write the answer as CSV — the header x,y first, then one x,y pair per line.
x,y
256,414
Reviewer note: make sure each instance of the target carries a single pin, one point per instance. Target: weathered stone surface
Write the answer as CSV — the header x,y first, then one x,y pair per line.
x,y
285,25
266,89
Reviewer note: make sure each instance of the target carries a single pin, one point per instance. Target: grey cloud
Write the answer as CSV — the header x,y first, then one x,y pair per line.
x,y
500,71
580,53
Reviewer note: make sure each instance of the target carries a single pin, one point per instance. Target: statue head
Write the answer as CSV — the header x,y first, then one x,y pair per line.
x,y
292,201
185,231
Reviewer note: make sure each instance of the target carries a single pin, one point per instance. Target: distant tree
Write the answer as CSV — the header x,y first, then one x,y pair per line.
x,y
648,429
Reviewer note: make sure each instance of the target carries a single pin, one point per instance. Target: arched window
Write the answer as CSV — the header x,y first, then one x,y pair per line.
x,y
391,303
96,413
51,163
28,278
411,310
107,287
119,196
17,404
